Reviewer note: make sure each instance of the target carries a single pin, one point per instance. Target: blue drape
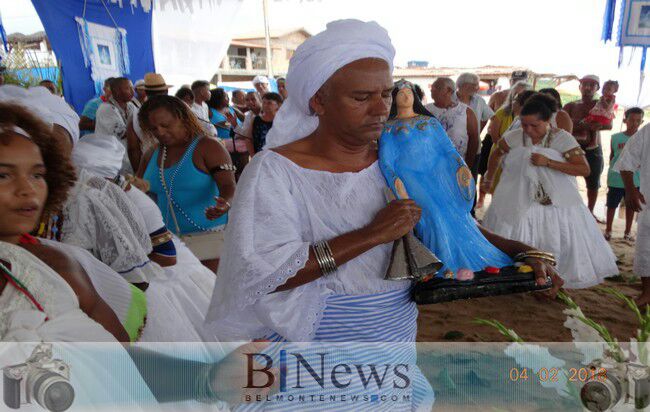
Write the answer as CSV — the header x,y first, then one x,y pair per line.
x,y
608,19
58,18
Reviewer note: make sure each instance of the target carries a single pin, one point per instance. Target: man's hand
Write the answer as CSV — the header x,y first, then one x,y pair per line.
x,y
231,376
543,269
635,200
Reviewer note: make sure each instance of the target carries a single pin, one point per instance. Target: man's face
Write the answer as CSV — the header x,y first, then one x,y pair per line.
x,y
633,122
270,108
202,93
468,89
252,102
262,88
239,99
282,89
440,93
355,102
141,93
588,88
123,92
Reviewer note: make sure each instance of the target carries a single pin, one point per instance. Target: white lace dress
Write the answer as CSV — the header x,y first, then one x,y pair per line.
x,y
21,321
279,210
76,338
98,217
188,283
103,219
521,211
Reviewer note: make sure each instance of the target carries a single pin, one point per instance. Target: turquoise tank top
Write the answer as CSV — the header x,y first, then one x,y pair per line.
x,y
191,190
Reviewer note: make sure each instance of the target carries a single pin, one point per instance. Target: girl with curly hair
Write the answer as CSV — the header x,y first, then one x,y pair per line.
x,y
35,177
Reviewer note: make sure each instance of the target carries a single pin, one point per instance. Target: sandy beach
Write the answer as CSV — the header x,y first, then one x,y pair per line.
x,y
534,319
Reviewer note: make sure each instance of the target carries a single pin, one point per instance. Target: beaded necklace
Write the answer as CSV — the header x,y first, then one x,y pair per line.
x,y
15,282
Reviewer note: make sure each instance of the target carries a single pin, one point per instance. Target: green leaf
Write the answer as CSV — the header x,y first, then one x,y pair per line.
x,y
508,333
629,302
566,299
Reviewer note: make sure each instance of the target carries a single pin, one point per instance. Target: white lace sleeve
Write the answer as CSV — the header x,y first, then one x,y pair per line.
x,y
112,231
265,245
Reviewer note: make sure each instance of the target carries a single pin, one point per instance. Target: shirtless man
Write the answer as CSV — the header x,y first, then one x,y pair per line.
x,y
497,99
588,134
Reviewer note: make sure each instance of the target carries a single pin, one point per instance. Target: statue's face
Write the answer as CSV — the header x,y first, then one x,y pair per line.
x,y
404,98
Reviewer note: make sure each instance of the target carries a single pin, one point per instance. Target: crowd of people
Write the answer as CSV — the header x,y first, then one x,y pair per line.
x,y
211,215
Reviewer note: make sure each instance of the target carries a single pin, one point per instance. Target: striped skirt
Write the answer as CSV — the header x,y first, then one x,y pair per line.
x,y
363,358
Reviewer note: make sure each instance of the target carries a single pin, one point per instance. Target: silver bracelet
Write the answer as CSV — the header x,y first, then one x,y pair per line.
x,y
324,257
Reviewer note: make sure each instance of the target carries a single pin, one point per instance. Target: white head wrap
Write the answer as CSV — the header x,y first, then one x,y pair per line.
x,y
314,62
260,79
49,108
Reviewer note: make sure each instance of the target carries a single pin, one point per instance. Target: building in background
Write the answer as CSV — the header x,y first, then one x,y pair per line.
x,y
30,59
246,56
417,63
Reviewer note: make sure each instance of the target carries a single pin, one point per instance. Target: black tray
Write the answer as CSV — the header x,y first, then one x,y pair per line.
x,y
507,282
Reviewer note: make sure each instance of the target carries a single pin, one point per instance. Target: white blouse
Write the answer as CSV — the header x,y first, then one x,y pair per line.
x,y
454,121
279,210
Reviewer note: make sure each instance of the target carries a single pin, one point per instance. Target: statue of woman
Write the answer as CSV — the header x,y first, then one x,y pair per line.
x,y
420,162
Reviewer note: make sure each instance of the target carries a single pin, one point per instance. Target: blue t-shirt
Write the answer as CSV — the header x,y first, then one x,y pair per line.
x,y
90,111
217,119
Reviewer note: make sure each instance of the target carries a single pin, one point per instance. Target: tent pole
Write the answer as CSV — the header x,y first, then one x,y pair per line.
x,y
267,35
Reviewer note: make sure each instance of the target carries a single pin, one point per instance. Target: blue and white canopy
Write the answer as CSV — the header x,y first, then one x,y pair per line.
x,y
184,40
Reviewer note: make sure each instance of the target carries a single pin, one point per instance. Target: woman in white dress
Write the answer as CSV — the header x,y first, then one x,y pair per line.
x,y
537,200
124,229
102,219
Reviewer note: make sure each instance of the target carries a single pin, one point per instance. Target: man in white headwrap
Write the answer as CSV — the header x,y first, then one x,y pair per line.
x,y
310,236
261,84
282,208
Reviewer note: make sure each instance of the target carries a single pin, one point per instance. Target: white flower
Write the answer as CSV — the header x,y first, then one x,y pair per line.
x,y
586,339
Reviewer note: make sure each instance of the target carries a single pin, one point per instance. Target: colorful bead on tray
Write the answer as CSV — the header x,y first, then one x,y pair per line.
x,y
491,270
465,274
524,269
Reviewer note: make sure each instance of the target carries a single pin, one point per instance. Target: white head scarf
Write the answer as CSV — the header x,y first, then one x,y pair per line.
x,y
49,108
314,62
260,79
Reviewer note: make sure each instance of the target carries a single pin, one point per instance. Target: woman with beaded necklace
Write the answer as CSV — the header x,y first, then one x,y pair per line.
x,y
188,172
